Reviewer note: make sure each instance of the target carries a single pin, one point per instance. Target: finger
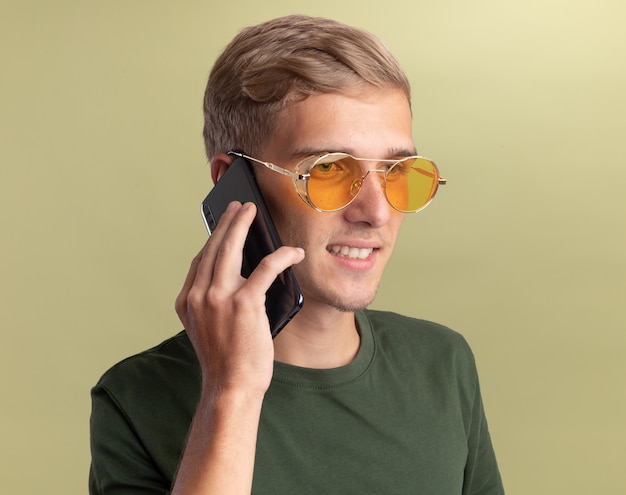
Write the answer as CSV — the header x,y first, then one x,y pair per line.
x,y
221,239
203,261
228,256
272,265
181,299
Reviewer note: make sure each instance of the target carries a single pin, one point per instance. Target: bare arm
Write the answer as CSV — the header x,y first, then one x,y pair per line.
x,y
224,315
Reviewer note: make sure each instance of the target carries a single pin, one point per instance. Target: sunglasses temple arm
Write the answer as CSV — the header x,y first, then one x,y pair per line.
x,y
283,171
271,166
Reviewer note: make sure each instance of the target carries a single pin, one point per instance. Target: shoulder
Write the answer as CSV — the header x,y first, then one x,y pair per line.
x,y
419,340
141,411
397,326
165,367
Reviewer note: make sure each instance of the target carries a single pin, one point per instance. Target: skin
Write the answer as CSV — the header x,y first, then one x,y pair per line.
x,y
224,314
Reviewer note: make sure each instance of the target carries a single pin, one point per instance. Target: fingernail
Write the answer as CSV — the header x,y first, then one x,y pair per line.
x,y
231,206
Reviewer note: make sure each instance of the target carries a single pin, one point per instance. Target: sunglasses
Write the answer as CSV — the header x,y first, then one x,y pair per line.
x,y
331,181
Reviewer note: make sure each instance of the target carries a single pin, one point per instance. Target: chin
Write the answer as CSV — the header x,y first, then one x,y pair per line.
x,y
347,295
352,304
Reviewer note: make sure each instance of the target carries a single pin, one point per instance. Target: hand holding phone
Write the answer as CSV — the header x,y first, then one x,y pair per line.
x,y
284,298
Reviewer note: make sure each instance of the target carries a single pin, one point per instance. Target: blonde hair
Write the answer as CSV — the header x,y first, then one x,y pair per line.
x,y
268,66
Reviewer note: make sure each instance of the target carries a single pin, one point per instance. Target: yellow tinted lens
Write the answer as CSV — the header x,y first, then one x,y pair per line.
x,y
411,184
334,181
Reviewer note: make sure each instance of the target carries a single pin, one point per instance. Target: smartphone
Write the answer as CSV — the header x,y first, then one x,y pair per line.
x,y
284,298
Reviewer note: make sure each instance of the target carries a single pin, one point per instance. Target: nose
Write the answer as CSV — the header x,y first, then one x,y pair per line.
x,y
370,205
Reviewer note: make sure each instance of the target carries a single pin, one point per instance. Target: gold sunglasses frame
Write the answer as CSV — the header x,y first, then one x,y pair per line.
x,y
300,181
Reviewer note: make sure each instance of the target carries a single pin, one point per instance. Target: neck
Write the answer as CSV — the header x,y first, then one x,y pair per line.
x,y
320,341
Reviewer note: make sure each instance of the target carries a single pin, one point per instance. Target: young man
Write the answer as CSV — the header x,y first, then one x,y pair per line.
x,y
344,400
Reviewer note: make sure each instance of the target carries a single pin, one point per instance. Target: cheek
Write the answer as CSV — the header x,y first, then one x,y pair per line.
x,y
395,223
295,228
286,208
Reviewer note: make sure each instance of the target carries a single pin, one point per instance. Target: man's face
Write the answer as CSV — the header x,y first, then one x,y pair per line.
x,y
346,250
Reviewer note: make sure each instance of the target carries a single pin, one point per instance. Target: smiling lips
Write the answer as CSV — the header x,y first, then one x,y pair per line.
x,y
350,252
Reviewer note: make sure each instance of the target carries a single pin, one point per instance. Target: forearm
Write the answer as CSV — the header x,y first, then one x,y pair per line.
x,y
220,450
225,318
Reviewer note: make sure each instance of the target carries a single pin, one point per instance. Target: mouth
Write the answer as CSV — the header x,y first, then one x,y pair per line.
x,y
350,252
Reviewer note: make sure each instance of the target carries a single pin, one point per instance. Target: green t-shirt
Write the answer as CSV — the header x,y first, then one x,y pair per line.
x,y
405,417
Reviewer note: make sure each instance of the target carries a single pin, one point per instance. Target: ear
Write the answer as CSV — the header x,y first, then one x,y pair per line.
x,y
219,164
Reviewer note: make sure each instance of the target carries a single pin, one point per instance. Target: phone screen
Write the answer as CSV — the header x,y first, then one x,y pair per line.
x,y
284,298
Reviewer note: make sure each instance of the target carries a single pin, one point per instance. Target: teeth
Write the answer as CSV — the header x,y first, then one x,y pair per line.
x,y
350,252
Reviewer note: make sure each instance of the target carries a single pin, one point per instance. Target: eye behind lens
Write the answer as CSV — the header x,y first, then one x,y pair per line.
x,y
413,186
331,183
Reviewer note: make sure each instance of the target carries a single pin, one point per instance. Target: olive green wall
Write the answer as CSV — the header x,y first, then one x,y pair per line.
x,y
523,106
